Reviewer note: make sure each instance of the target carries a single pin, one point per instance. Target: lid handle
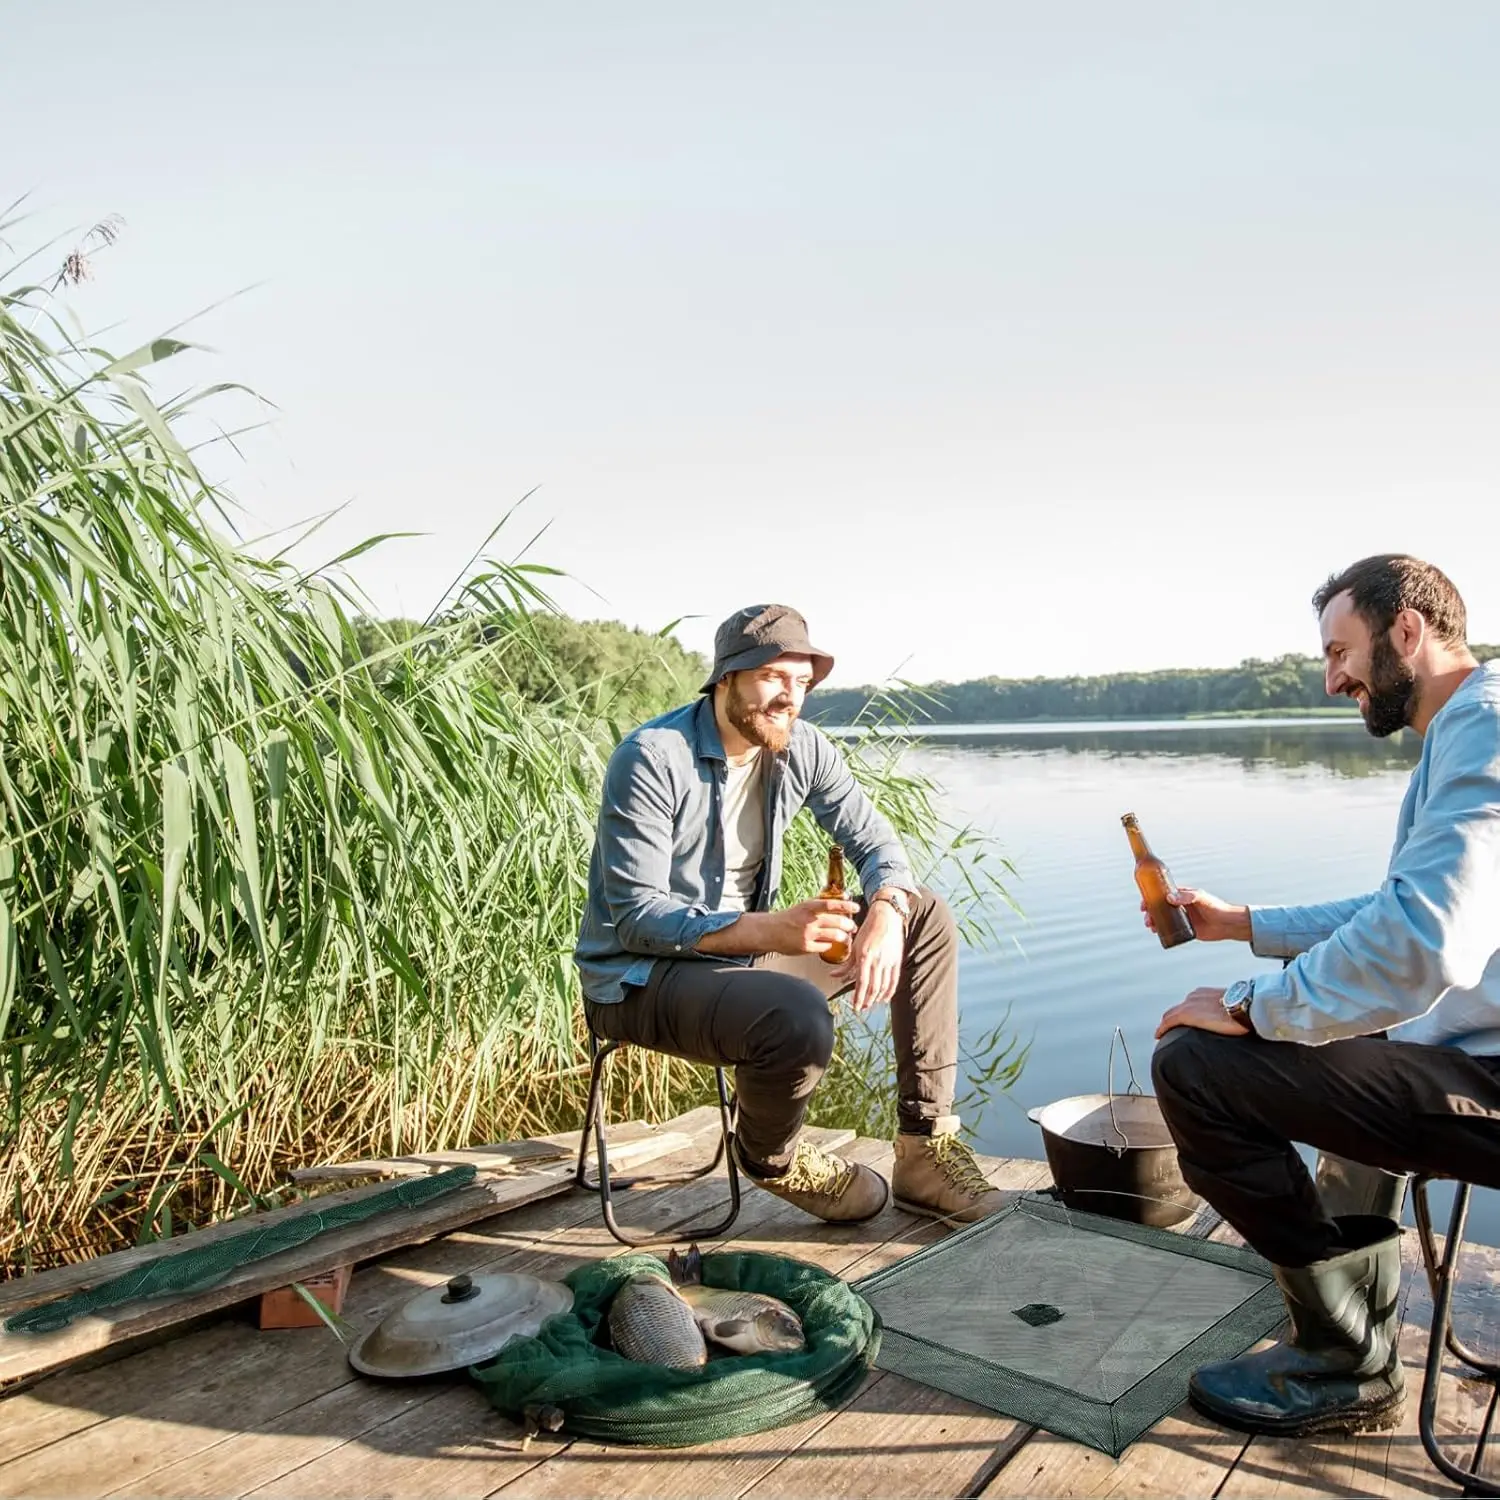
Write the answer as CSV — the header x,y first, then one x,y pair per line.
x,y
461,1289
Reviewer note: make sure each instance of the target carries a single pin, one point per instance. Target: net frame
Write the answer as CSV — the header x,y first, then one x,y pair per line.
x,y
1107,1425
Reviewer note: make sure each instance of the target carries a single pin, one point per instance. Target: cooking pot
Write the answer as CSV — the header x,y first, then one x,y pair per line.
x,y
1111,1154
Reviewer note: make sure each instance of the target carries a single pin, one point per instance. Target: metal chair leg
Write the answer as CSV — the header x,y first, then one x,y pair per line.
x,y
1441,1275
605,1186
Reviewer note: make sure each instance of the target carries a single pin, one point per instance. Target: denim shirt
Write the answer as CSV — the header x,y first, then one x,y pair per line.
x,y
657,871
1420,957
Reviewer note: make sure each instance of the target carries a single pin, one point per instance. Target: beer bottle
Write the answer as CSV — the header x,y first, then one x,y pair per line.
x,y
1155,882
833,890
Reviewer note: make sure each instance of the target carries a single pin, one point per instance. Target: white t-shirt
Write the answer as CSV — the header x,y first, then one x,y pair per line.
x,y
744,832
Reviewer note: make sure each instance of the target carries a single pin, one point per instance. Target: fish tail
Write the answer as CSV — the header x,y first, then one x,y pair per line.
x,y
687,1270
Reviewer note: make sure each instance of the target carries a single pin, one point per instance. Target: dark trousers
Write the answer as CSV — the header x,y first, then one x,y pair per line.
x,y
771,1022
1235,1105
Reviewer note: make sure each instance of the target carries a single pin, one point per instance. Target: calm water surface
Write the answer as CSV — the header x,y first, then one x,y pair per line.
x,y
1259,811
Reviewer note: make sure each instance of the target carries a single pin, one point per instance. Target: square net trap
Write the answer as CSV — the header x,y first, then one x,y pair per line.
x,y
1086,1326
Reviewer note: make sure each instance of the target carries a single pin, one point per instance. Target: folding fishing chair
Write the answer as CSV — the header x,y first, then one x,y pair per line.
x,y
1442,1272
593,1124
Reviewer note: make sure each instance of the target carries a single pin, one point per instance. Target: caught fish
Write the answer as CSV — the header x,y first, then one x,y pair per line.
x,y
650,1322
747,1322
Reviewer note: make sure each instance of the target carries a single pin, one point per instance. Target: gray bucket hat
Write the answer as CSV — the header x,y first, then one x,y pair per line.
x,y
759,633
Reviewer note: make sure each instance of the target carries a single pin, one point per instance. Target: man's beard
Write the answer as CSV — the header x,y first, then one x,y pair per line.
x,y
757,725
1391,691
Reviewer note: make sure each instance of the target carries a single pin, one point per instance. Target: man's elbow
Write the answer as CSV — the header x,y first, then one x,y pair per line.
x,y
640,930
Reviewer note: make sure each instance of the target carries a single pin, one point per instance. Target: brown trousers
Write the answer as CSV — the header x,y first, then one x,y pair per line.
x,y
1234,1106
771,1022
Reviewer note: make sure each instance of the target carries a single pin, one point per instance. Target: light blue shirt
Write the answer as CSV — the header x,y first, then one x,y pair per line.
x,y
656,879
1420,957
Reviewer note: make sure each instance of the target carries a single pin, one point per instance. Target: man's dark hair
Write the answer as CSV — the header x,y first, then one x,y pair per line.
x,y
1380,587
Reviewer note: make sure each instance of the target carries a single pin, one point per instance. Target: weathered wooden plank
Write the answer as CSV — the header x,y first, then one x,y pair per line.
x,y
24,1355
311,1361
895,1438
448,1448
28,1291
327,1473
354,1436
1182,1455
313,1366
503,1156
75,1398
498,1158
289,1429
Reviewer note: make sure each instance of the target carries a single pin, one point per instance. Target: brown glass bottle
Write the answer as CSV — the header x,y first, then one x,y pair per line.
x,y
1154,881
834,890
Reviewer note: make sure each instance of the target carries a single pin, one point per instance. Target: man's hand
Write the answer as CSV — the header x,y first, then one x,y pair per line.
x,y
874,963
808,927
1203,1010
1214,921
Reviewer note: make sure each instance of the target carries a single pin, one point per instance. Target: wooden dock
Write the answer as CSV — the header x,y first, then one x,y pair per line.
x,y
225,1410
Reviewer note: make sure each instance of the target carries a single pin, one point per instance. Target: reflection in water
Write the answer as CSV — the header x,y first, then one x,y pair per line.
x,y
1344,749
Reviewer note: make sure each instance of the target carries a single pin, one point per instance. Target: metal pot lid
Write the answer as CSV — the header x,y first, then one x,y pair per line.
x,y
453,1326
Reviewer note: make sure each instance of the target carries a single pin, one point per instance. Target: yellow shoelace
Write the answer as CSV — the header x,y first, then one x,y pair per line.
x,y
814,1171
956,1160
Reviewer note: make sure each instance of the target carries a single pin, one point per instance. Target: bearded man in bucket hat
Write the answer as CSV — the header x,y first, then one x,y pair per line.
x,y
684,949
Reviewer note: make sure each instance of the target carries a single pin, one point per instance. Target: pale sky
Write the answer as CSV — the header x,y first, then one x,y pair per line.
x,y
998,337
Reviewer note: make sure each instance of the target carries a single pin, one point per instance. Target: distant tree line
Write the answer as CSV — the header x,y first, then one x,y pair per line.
x,y
627,675
600,666
1284,684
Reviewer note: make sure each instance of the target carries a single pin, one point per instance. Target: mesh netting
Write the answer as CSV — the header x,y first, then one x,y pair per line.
x,y
1085,1326
612,1399
205,1265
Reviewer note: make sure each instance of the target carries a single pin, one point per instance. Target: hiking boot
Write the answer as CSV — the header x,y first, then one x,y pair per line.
x,y
825,1185
1337,1371
937,1175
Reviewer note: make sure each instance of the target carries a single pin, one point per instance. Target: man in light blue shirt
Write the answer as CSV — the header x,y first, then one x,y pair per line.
x,y
1380,1039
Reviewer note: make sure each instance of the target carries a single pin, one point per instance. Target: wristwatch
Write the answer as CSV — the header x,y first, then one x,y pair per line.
x,y
899,899
1237,1000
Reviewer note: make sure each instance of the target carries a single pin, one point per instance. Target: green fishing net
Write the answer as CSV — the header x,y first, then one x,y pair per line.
x,y
609,1398
189,1270
1086,1326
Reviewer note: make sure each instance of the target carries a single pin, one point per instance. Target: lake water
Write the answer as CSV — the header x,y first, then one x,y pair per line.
x,y
1261,811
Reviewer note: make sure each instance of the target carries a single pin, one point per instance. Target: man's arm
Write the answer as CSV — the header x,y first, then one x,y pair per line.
x,y
635,847
1433,926
1286,931
844,811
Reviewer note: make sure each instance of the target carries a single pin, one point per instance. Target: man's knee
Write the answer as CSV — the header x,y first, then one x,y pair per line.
x,y
796,1028
1186,1059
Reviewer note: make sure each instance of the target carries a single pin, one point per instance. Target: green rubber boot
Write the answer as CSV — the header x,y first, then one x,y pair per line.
x,y
1337,1371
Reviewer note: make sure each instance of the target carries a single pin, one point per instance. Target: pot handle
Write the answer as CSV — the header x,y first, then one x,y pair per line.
x,y
1133,1087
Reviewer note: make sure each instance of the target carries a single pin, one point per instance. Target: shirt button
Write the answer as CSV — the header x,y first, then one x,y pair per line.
x,y
678,947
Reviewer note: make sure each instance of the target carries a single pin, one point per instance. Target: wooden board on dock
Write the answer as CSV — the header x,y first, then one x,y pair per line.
x,y
225,1410
24,1356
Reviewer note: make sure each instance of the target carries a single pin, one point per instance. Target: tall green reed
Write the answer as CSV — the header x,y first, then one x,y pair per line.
x,y
267,895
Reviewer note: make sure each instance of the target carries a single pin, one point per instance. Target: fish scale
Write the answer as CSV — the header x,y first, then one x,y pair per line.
x,y
649,1322
747,1322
